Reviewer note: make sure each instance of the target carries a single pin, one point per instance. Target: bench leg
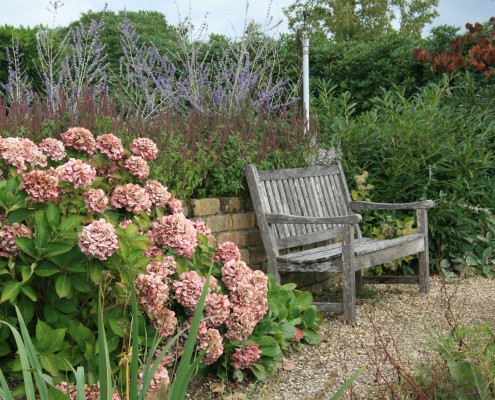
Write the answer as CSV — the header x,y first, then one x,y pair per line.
x,y
423,257
359,280
348,276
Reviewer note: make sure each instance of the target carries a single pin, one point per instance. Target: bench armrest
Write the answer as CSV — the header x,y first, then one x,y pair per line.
x,y
369,205
274,218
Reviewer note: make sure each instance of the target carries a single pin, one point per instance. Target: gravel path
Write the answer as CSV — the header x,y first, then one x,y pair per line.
x,y
397,315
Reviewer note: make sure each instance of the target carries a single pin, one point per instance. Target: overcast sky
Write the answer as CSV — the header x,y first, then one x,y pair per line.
x,y
222,16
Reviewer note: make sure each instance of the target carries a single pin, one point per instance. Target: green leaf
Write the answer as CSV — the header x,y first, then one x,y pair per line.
x,y
41,230
20,215
70,222
81,284
304,300
259,371
51,363
63,286
309,317
288,287
27,246
56,248
348,383
116,327
53,214
45,269
288,330
311,336
10,291
29,292
269,346
43,336
76,268
4,349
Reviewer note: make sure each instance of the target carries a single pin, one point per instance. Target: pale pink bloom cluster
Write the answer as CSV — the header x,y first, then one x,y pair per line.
x,y
110,145
167,266
145,148
77,172
188,289
131,197
226,252
96,200
175,205
248,296
160,379
159,195
98,239
53,148
41,186
153,289
92,392
244,358
19,151
79,139
124,224
213,339
201,228
7,236
217,307
137,166
174,232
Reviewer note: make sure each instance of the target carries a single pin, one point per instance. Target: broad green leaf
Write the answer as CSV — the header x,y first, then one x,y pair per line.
x,y
70,222
10,291
56,248
50,362
41,230
19,215
96,273
309,317
259,371
45,269
4,349
311,336
288,330
81,284
26,245
116,327
288,287
29,292
63,286
53,214
76,268
303,300
44,334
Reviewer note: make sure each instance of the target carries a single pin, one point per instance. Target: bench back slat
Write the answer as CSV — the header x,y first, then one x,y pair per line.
x,y
311,192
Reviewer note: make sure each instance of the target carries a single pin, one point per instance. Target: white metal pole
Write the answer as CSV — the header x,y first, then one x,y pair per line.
x,y
305,52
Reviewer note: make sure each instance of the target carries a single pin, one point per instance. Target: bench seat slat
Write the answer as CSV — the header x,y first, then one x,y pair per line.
x,y
297,172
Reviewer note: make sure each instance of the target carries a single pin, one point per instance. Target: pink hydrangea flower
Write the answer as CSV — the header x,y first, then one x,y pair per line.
x,y
7,236
226,252
41,186
96,200
53,148
162,268
137,166
110,145
188,289
159,195
131,197
77,172
175,205
247,295
153,292
244,358
201,228
98,239
124,224
234,272
19,151
165,322
213,339
240,324
145,148
160,378
174,231
217,307
92,392
79,139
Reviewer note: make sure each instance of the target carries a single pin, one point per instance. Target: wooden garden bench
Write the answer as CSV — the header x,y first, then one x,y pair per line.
x,y
302,206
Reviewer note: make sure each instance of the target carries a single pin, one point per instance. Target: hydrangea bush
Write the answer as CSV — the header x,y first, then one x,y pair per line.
x,y
80,213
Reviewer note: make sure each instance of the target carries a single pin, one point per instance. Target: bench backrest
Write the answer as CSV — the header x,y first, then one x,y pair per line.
x,y
313,191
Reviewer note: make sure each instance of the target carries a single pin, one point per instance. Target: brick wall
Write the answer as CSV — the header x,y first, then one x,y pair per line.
x,y
231,219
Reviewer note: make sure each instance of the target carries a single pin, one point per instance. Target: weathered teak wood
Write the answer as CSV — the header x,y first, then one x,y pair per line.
x,y
300,206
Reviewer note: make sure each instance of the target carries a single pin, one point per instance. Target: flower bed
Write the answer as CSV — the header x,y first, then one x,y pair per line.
x,y
80,215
